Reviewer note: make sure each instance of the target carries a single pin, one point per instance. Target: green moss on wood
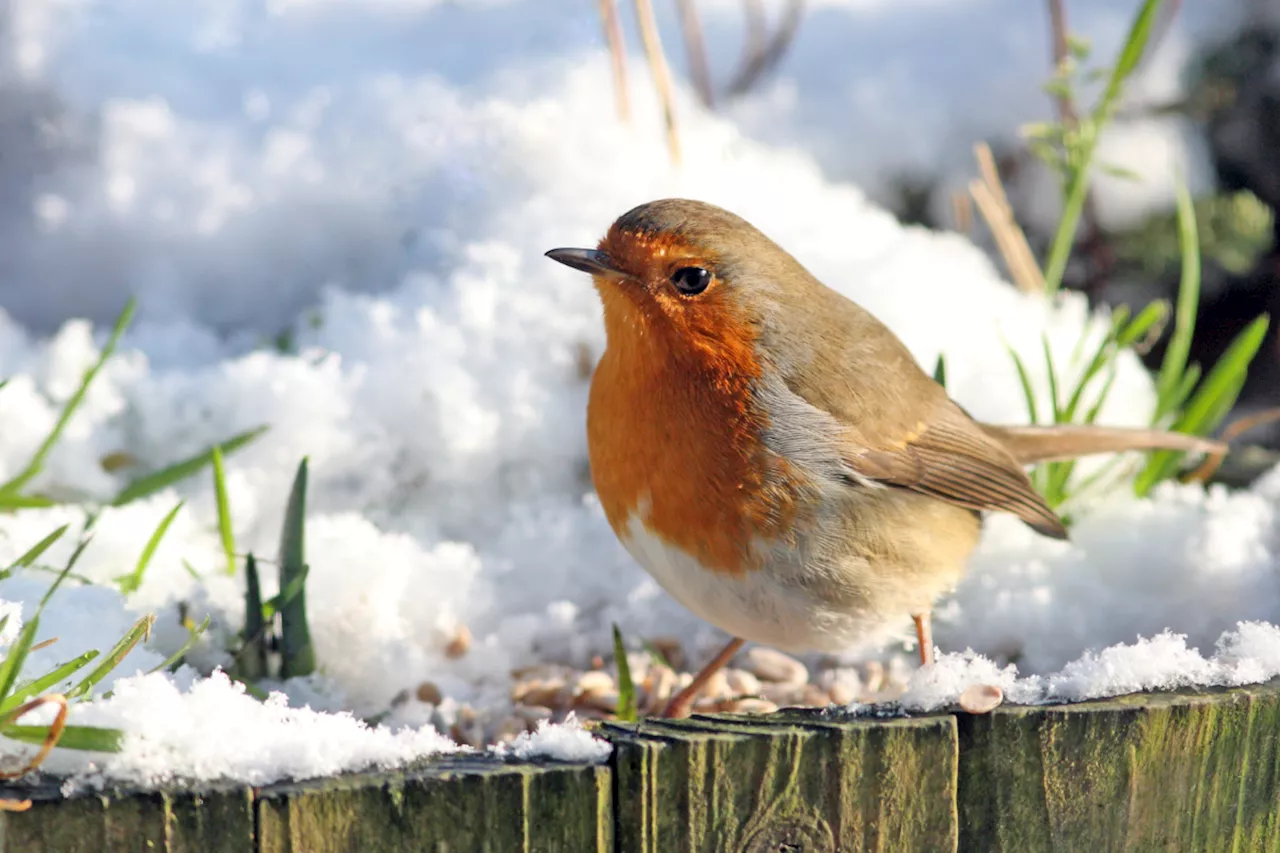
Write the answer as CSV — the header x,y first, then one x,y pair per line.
x,y
1149,772
725,783
450,806
219,821
1179,772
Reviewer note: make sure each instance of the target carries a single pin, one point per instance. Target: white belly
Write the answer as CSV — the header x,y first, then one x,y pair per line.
x,y
761,605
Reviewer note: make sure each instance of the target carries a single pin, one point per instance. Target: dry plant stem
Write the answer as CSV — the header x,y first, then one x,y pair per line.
x,y
618,55
1058,28
55,730
43,644
681,703
696,49
962,212
765,54
989,196
924,636
1235,429
753,12
661,74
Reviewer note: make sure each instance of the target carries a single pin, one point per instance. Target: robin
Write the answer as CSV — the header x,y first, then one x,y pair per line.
x,y
773,455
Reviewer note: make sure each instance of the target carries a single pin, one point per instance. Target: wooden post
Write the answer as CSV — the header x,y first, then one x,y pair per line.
x,y
453,805
1185,772
1173,771
218,820
752,784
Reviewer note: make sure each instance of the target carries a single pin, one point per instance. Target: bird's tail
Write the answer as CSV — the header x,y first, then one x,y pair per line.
x,y
1031,444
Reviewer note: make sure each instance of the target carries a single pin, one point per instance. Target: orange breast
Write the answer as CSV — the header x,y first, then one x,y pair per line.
x,y
673,437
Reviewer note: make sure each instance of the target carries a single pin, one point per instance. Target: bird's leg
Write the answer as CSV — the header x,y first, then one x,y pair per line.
x,y
682,702
924,635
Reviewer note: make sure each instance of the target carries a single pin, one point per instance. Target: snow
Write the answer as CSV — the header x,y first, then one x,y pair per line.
x,y
568,741
210,728
1248,654
379,182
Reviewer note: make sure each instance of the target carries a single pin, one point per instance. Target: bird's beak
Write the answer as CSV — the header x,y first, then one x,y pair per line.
x,y
588,261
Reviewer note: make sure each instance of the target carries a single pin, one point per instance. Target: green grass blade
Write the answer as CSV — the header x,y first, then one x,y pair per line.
x,y
940,370
1184,322
626,687
1228,373
17,656
123,646
1065,237
62,575
297,655
1148,318
1183,392
251,661
174,659
129,583
36,464
27,689
15,501
1091,416
1104,355
296,585
1028,393
1053,379
224,511
167,476
33,553
1130,55
1212,401
1058,474
1054,490
85,738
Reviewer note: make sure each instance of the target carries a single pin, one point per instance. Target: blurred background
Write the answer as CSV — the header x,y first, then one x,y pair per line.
x,y
228,159
333,213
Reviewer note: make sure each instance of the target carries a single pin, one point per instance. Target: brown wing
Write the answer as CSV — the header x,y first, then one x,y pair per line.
x,y
899,427
951,458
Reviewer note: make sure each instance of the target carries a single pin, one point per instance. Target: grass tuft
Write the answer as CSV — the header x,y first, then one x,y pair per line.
x,y
14,486
298,657
225,535
626,686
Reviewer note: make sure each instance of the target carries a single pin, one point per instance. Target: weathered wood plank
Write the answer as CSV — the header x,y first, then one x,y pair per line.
x,y
1178,772
465,805
211,821
1182,772
750,785
216,821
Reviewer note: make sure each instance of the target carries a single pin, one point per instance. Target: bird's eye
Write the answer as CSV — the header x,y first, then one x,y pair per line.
x,y
691,280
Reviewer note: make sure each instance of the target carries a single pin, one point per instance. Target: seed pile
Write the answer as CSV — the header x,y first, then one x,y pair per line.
x,y
761,681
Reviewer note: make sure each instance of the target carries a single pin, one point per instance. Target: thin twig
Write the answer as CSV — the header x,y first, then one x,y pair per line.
x,y
55,730
989,196
696,49
618,55
661,74
1234,430
761,60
